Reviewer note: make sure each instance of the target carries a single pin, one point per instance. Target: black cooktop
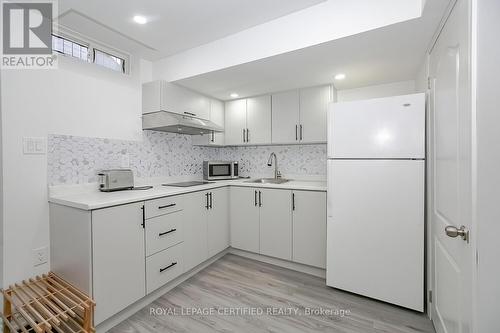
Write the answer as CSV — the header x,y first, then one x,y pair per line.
x,y
188,184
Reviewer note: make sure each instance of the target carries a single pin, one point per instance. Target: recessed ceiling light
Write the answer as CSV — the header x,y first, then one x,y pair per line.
x,y
140,19
340,76
234,95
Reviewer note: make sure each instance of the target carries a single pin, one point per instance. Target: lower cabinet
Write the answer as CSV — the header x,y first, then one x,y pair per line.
x,y
163,267
218,221
244,218
261,221
195,229
309,228
275,223
206,225
118,258
127,251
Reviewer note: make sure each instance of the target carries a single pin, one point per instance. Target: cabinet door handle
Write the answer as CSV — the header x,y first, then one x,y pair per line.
x,y
167,267
296,132
248,131
143,216
301,132
166,232
166,206
255,198
244,135
207,205
213,136
293,201
190,113
210,200
260,199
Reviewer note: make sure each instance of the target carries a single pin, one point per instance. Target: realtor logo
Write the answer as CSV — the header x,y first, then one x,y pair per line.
x,y
27,28
27,34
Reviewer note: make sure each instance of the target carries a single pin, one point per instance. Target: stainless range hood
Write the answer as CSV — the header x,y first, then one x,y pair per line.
x,y
176,123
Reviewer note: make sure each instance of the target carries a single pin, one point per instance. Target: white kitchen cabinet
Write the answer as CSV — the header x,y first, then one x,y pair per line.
x,y
217,117
309,228
236,122
195,247
244,218
258,120
165,96
206,225
285,117
118,258
299,116
248,121
275,223
218,221
163,267
313,114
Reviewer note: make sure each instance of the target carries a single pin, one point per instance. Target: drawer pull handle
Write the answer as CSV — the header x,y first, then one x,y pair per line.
x,y
166,232
166,206
165,268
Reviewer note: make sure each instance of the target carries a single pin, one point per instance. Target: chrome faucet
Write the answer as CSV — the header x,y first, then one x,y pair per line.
x,y
277,174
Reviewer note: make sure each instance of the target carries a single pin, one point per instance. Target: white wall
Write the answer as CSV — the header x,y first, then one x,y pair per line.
x,y
76,99
382,90
329,20
487,68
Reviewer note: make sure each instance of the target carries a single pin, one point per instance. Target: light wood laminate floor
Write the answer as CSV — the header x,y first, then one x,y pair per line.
x,y
234,283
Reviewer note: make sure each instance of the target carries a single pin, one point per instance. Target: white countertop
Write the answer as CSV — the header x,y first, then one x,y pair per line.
x,y
89,197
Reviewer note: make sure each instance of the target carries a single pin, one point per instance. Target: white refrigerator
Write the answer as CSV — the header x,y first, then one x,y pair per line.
x,y
376,195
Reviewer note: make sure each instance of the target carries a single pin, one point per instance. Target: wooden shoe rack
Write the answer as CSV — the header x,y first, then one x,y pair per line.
x,y
47,303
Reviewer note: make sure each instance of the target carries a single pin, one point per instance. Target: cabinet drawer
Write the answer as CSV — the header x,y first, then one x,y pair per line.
x,y
163,267
162,206
163,232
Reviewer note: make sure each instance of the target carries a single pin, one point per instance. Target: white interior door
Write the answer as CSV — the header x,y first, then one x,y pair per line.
x,y
451,174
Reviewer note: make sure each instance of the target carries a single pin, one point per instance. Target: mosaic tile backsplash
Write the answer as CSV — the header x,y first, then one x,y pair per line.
x,y
77,160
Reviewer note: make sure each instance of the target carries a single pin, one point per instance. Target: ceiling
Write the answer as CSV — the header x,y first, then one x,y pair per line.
x,y
389,54
173,26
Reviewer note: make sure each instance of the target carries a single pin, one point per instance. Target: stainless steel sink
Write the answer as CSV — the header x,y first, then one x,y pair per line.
x,y
268,181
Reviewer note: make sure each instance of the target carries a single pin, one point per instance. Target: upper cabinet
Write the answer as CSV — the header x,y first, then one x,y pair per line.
x,y
300,116
248,121
286,117
313,114
216,116
165,96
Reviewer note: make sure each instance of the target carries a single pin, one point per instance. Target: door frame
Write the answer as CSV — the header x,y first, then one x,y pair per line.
x,y
429,285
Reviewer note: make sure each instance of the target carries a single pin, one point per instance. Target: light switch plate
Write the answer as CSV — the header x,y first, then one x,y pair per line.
x,y
34,146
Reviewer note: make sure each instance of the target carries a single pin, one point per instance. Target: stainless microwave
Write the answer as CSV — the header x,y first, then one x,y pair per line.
x,y
218,170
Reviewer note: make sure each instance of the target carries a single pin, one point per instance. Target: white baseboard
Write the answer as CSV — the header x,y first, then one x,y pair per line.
x,y
130,310
319,272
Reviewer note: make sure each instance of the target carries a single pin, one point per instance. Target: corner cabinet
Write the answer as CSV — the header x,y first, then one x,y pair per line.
x,y
248,121
217,116
206,224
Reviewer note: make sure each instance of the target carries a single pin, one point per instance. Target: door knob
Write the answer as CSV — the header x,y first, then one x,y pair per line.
x,y
452,231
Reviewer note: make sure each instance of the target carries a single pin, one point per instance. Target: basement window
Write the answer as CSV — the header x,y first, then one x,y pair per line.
x,y
70,48
91,52
109,60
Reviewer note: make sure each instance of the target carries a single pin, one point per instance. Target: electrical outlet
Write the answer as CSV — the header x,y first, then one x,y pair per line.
x,y
40,256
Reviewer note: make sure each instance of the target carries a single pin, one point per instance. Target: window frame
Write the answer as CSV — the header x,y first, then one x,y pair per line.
x,y
92,46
